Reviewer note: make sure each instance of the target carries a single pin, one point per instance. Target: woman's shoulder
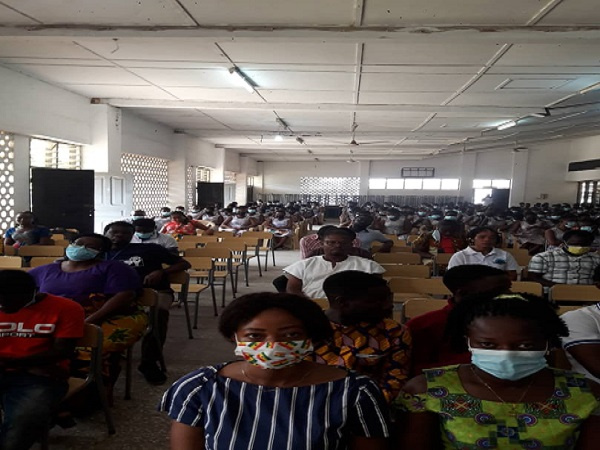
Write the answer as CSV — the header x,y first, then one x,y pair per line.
x,y
192,381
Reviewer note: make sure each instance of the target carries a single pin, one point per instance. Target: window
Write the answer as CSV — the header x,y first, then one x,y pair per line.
x,y
150,181
54,155
331,190
395,183
229,177
377,183
479,184
450,184
486,184
417,172
203,174
501,184
432,183
413,183
7,181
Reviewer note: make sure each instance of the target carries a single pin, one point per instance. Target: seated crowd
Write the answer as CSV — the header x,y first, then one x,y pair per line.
x,y
323,363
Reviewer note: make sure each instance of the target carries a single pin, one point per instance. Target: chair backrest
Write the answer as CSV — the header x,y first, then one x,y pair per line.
x,y
574,293
400,249
442,259
397,258
430,286
200,262
148,297
417,307
61,243
184,245
199,239
412,238
210,252
57,236
322,302
41,250
37,261
182,278
521,255
92,337
10,262
566,308
407,270
238,245
529,287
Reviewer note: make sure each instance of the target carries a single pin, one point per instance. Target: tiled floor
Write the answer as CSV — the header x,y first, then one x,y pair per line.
x,y
139,425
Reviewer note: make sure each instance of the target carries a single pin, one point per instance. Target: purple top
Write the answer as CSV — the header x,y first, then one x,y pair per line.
x,y
106,277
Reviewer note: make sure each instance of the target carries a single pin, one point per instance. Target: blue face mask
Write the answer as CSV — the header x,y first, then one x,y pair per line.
x,y
570,224
508,364
137,217
144,235
434,217
165,214
81,253
450,218
587,228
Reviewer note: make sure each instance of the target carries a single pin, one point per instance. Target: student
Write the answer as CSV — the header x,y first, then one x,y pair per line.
x,y
37,338
146,233
274,398
574,263
365,339
583,343
367,236
307,276
506,397
482,250
430,345
449,238
27,232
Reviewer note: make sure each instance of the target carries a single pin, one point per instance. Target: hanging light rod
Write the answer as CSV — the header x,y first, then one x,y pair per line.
x,y
246,82
505,125
591,88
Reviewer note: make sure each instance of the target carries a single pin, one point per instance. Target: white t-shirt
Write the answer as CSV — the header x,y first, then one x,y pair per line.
x,y
164,240
497,258
584,328
313,271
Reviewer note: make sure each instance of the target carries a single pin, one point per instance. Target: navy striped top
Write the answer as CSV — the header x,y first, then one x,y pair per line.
x,y
241,416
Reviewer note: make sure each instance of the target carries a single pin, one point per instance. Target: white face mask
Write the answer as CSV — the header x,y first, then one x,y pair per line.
x,y
274,355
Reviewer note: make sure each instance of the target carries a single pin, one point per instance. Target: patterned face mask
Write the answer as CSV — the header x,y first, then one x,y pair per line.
x,y
274,355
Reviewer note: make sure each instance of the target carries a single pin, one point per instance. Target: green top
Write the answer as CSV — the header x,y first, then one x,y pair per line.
x,y
469,423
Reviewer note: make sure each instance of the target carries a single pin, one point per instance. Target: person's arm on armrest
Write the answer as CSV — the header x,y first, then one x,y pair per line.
x,y
184,437
294,285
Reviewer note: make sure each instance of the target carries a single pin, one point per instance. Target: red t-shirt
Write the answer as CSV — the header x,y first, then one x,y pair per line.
x,y
33,329
447,245
430,347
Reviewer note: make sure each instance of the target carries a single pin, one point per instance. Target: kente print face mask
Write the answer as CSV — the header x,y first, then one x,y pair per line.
x,y
274,355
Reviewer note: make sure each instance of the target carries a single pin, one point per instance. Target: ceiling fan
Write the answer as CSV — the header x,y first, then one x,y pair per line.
x,y
353,142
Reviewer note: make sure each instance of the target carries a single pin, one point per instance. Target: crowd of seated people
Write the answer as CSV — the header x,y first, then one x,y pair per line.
x,y
408,385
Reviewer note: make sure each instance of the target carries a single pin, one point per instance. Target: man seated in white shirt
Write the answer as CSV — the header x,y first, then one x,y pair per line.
x,y
482,250
146,233
307,276
583,343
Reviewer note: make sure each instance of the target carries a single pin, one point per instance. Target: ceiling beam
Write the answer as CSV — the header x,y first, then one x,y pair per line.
x,y
518,34
323,107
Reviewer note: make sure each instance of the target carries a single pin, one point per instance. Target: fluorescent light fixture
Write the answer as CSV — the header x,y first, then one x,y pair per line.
x,y
278,138
243,80
505,125
591,88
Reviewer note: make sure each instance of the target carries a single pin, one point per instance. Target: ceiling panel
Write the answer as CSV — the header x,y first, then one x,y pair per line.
x,y
428,54
308,96
84,75
35,47
24,62
580,12
501,98
10,17
545,70
443,12
401,82
289,52
533,83
271,12
189,77
106,91
213,95
553,55
397,98
105,12
307,120
314,81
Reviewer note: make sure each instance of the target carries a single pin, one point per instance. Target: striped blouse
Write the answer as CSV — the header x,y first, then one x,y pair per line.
x,y
238,415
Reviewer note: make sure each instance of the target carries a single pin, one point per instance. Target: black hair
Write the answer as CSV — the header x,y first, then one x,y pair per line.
x,y
519,306
120,223
459,276
243,309
341,231
351,284
33,216
475,231
589,237
145,223
106,243
596,276
15,282
321,231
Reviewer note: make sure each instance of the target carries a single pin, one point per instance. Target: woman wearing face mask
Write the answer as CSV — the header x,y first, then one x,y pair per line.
x,y
105,289
507,397
273,397
554,235
181,225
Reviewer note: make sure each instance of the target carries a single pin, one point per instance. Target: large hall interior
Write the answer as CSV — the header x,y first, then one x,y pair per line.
x,y
115,106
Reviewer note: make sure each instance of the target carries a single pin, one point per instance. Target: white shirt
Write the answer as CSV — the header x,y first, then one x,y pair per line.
x,y
313,271
497,258
584,328
164,240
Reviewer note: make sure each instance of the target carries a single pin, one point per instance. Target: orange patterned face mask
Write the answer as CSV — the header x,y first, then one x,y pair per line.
x,y
274,355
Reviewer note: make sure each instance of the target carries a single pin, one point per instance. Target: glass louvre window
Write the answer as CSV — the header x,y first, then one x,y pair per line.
x,y
377,183
450,184
54,155
395,183
432,183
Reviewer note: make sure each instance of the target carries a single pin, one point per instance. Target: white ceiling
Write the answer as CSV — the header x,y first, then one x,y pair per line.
x,y
412,78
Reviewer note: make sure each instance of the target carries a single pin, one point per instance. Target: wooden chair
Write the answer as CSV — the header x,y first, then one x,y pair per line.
x,y
412,238
417,307
406,270
441,261
57,237
61,243
202,240
239,256
521,255
566,308
149,299
322,302
266,244
41,250
397,258
529,287
400,249
568,293
92,339
37,261
11,262
407,288
203,268
222,266
180,281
